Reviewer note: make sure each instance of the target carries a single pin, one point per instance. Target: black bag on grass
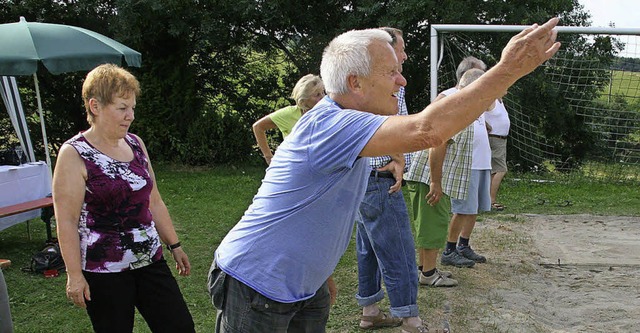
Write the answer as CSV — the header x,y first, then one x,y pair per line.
x,y
49,258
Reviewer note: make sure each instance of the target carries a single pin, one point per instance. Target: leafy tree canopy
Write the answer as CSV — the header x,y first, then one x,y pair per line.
x,y
213,67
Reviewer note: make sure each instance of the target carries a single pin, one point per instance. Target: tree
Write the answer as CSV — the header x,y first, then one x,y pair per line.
x,y
61,94
213,67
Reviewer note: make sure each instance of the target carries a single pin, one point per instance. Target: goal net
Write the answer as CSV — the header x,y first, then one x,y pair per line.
x,y
578,114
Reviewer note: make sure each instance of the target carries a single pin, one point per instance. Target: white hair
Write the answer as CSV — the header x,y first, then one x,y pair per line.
x,y
469,63
469,76
348,54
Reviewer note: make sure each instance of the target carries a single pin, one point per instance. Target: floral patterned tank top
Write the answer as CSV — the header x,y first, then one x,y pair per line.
x,y
117,232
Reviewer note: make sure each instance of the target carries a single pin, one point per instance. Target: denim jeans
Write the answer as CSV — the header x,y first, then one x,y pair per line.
x,y
242,309
385,250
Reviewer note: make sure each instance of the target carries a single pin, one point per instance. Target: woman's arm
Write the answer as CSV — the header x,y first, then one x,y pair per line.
x,y
260,128
69,180
163,222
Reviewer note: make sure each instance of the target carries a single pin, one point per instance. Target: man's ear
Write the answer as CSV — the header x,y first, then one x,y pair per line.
x,y
353,83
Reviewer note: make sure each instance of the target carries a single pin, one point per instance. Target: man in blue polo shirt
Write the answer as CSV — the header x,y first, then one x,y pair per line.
x,y
270,271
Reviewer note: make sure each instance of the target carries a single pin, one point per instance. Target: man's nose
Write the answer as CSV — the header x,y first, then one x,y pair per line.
x,y
401,80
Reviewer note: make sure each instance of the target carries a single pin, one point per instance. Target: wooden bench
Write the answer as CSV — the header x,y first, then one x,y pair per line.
x,y
47,211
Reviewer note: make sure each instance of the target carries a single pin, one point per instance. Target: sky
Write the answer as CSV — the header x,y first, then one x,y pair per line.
x,y
624,13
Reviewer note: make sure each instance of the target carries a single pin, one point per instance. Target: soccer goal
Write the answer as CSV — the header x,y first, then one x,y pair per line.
x,y
579,113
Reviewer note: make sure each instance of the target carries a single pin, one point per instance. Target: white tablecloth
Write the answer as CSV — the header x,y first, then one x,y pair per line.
x,y
23,183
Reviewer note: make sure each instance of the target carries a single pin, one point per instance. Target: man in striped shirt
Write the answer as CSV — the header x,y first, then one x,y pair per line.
x,y
384,243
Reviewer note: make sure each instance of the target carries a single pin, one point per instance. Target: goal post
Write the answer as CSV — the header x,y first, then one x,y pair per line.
x,y
580,111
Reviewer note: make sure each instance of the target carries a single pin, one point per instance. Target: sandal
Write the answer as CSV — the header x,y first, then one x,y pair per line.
x,y
497,206
379,321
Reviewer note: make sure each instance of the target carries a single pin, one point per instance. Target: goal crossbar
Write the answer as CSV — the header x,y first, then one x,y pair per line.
x,y
435,59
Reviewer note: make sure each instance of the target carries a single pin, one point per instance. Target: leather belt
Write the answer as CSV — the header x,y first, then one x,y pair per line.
x,y
385,174
498,136
382,174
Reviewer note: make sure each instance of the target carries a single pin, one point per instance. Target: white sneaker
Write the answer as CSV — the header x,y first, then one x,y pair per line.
x,y
437,280
446,274
443,273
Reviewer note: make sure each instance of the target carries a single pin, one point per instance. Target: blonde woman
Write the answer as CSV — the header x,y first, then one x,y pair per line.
x,y
307,92
111,218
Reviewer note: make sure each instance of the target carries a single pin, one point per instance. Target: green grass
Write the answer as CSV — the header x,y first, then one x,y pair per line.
x,y
206,203
568,195
622,84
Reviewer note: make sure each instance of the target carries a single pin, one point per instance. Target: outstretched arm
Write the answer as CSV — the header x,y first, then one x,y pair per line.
x,y
442,119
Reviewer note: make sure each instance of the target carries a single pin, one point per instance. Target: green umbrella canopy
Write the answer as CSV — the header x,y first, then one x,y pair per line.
x,y
60,48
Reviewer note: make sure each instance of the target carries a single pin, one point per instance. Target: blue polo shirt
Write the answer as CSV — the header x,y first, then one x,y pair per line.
x,y
292,236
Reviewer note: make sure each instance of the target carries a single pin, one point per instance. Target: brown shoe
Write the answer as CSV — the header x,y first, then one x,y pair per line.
x,y
4,263
379,321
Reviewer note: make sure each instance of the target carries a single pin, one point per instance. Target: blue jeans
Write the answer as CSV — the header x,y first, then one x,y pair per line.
x,y
385,249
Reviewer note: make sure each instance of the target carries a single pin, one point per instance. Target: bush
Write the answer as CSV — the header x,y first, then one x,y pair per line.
x,y
217,138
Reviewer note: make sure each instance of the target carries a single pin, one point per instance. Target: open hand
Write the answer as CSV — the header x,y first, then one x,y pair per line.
x,y
397,169
78,290
530,48
182,261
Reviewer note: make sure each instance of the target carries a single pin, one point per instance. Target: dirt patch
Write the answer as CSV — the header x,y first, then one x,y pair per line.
x,y
522,288
564,273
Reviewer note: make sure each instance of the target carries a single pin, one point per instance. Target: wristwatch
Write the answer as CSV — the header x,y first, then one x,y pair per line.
x,y
172,247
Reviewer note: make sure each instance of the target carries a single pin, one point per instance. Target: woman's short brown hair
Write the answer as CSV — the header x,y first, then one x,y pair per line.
x,y
106,82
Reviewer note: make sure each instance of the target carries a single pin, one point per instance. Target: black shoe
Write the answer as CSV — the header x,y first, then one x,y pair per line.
x,y
469,253
456,259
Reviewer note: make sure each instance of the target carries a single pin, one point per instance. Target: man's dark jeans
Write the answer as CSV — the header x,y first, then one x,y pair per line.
x,y
242,309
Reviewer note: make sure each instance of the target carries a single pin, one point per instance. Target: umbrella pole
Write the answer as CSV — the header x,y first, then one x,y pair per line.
x,y
44,131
